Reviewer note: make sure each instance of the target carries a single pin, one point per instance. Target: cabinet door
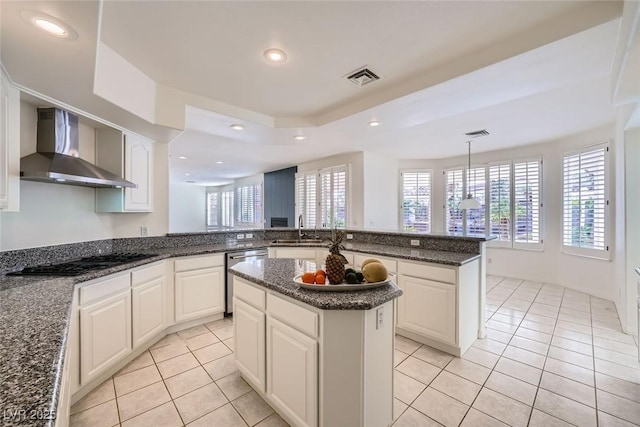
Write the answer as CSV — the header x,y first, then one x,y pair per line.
x,y
249,342
147,310
199,293
300,253
292,373
428,308
105,334
138,168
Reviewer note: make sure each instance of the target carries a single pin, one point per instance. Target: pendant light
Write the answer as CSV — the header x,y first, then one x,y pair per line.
x,y
469,202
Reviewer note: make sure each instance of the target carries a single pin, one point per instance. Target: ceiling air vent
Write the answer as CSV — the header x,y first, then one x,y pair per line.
x,y
477,133
362,77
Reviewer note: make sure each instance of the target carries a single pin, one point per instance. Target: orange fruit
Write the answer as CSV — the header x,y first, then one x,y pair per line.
x,y
321,272
320,279
308,278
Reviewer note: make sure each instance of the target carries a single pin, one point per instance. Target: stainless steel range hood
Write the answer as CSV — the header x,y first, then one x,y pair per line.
x,y
56,159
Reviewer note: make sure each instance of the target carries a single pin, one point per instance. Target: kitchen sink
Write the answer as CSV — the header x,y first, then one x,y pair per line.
x,y
297,241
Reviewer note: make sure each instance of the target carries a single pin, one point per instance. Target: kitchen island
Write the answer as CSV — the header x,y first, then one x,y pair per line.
x,y
319,358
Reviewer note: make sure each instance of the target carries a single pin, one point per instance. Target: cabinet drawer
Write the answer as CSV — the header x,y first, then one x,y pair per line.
x,y
425,271
103,288
195,263
147,273
249,294
292,314
391,264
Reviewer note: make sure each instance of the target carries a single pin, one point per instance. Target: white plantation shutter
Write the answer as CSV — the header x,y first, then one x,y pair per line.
x,y
226,209
585,201
527,197
333,197
416,201
476,183
500,201
454,193
306,191
213,210
249,205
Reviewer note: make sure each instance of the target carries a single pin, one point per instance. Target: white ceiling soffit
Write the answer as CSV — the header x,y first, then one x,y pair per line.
x,y
411,45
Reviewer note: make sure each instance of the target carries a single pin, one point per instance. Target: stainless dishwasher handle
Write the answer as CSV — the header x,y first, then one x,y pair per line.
x,y
248,256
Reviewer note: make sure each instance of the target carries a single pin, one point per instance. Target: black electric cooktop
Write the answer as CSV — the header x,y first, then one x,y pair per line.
x,y
82,265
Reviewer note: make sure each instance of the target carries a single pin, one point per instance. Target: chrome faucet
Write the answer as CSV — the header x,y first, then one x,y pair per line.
x,y
300,227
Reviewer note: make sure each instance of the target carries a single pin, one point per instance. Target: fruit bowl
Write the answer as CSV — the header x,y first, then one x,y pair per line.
x,y
343,287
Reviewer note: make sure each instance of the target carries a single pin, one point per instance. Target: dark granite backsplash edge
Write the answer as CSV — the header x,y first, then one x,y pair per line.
x,y
17,259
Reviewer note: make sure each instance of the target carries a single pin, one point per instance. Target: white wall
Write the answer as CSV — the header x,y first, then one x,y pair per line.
x,y
53,214
632,199
356,182
549,265
187,210
381,200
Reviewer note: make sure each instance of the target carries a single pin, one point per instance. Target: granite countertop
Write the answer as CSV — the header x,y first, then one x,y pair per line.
x,y
35,313
278,274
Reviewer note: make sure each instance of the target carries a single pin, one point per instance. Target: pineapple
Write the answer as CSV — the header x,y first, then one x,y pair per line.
x,y
334,264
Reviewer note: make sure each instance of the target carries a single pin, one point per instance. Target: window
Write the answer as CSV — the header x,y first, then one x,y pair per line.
x,y
585,202
249,205
526,201
510,197
322,197
454,188
213,210
416,201
333,197
500,201
306,191
219,209
226,209
476,218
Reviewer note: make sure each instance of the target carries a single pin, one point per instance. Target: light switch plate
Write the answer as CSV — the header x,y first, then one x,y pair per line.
x,y
415,242
249,236
240,236
349,236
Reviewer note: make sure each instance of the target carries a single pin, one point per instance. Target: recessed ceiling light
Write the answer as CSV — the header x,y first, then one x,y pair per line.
x,y
219,162
299,137
182,158
187,174
49,24
276,56
374,123
236,126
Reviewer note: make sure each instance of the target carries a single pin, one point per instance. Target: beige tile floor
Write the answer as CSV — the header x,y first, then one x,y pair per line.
x,y
552,357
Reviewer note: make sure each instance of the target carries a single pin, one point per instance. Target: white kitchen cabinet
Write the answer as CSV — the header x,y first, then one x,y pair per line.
x,y
147,310
250,351
105,334
148,302
199,287
292,373
131,157
439,305
308,254
9,146
428,307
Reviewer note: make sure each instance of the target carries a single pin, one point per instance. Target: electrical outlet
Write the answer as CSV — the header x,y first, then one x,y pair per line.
x,y
415,242
249,236
379,317
349,236
143,230
240,236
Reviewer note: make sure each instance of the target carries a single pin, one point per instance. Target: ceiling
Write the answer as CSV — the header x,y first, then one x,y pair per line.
x,y
527,71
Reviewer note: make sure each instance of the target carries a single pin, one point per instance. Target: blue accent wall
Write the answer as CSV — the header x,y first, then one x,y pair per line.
x,y
279,195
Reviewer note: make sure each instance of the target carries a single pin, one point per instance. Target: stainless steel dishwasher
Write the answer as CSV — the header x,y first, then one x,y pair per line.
x,y
234,258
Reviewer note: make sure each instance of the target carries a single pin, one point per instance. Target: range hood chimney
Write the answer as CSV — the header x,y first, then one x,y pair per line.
x,y
56,158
